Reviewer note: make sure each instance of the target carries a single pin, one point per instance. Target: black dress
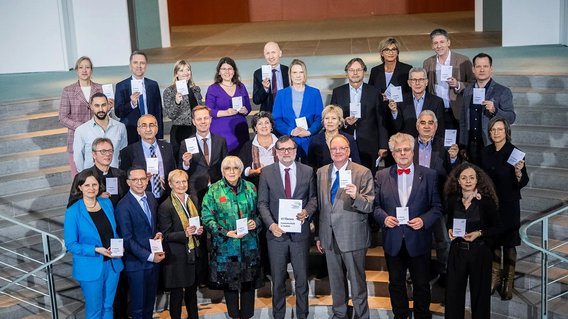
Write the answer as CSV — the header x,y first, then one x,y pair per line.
x,y
508,189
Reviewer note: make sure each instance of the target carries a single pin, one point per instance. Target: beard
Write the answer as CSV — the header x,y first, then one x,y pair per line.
x,y
101,115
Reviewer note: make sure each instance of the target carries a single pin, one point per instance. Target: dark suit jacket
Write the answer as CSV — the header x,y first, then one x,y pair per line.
x,y
371,131
133,155
260,96
113,172
271,189
136,231
406,118
128,115
503,100
462,71
424,202
439,160
399,77
199,172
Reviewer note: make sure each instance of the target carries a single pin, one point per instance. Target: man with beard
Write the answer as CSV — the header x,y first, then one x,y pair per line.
x,y
101,125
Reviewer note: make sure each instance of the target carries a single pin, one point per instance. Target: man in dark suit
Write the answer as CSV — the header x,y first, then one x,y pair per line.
x,y
264,89
136,219
448,89
407,203
129,106
287,179
498,101
143,151
344,233
404,114
369,130
203,168
430,152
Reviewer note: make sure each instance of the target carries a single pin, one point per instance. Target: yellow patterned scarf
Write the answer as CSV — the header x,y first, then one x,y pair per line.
x,y
192,243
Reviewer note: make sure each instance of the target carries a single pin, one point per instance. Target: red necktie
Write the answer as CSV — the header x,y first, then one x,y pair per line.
x,y
401,171
287,184
274,84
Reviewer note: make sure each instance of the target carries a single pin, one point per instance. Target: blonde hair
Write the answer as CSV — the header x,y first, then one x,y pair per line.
x,y
178,66
400,138
302,65
333,108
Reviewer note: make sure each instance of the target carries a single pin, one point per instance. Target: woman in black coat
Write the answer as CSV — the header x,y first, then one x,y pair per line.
x,y
180,245
508,179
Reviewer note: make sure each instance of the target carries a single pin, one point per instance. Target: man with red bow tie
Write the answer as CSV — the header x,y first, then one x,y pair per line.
x,y
407,204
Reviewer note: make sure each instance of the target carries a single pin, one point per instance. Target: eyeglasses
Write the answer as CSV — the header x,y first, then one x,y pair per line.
x,y
390,50
339,149
226,69
104,152
355,70
417,81
286,149
145,126
400,150
138,180
496,129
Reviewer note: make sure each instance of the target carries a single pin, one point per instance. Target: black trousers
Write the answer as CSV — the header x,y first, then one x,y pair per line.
x,y
243,308
187,294
420,275
469,261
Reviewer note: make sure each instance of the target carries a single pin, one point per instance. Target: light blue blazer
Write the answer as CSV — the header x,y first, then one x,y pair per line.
x,y
81,237
285,118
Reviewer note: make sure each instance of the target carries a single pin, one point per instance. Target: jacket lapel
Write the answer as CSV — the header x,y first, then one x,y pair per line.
x,y
415,183
394,184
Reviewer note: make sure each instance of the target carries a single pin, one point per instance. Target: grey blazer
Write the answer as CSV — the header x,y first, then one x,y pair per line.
x,y
271,189
346,219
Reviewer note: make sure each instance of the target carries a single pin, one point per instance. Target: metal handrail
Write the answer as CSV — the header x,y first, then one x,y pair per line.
x,y
546,254
47,265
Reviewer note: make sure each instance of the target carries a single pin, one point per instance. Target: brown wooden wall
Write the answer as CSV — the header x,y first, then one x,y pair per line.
x,y
191,12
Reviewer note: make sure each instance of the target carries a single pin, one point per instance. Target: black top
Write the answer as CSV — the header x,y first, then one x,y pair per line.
x,y
103,227
480,215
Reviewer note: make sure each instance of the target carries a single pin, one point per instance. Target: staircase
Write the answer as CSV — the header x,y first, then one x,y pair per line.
x,y
35,182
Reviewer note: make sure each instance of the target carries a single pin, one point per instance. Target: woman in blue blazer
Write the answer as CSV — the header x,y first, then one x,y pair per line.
x,y
89,225
295,102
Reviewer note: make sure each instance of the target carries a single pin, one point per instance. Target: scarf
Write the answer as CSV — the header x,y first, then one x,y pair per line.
x,y
180,210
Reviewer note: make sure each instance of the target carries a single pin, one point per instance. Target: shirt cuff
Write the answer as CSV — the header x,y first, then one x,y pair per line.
x,y
151,258
132,105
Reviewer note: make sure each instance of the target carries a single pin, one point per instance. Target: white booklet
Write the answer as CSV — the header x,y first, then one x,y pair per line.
x,y
355,110
288,209
108,91
181,87
195,221
237,102
402,215
152,165
191,145
478,95
344,178
112,185
450,137
156,246
266,70
446,72
302,122
242,227
458,229
394,93
117,247
136,86
516,156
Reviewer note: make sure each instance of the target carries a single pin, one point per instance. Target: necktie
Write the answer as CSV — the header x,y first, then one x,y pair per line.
x,y
274,84
206,150
334,188
156,188
141,105
401,171
287,184
144,201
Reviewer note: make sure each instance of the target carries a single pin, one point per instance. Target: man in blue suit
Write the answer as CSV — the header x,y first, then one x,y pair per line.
x,y
407,204
136,219
129,106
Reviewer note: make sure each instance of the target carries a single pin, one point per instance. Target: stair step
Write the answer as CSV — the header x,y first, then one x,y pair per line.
x,y
547,178
32,123
545,156
23,162
539,135
23,142
35,201
533,81
541,200
28,107
544,116
36,180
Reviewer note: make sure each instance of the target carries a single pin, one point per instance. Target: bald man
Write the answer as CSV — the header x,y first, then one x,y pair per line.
x,y
265,87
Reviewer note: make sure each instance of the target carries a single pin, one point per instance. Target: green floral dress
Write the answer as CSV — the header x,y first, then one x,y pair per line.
x,y
233,261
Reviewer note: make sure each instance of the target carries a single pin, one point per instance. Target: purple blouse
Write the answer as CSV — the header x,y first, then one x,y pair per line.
x,y
233,128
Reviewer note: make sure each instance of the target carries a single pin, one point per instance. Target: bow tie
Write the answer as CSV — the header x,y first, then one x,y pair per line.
x,y
401,171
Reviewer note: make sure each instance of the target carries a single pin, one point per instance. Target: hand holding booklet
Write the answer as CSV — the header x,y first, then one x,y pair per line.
x,y
156,246
288,209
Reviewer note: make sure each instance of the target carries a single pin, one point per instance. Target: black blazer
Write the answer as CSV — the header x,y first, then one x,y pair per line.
x,y
399,77
133,155
199,172
260,96
113,172
406,119
439,160
371,131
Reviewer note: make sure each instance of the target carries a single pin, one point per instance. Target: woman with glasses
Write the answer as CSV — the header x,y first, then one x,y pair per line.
x,y
229,214
391,71
178,106
88,229
74,109
297,109
229,102
509,180
318,151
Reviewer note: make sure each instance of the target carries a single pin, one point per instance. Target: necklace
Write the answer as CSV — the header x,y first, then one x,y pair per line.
x,y
229,86
95,204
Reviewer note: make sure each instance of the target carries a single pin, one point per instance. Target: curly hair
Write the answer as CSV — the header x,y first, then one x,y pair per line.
x,y
485,185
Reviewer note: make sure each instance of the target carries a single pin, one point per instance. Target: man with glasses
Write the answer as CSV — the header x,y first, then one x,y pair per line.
x,y
155,155
100,125
404,114
407,204
287,179
344,232
367,127
136,219
497,100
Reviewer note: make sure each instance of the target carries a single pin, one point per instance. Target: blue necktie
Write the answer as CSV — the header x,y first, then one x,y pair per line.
x,y
334,188
141,105
147,209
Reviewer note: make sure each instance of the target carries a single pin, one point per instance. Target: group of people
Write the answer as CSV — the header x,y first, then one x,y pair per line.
x,y
147,206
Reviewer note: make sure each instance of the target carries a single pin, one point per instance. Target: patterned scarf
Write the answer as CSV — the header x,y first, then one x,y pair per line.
x,y
191,244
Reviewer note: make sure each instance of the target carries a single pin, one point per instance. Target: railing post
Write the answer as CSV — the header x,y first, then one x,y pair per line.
x,y
50,280
544,271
